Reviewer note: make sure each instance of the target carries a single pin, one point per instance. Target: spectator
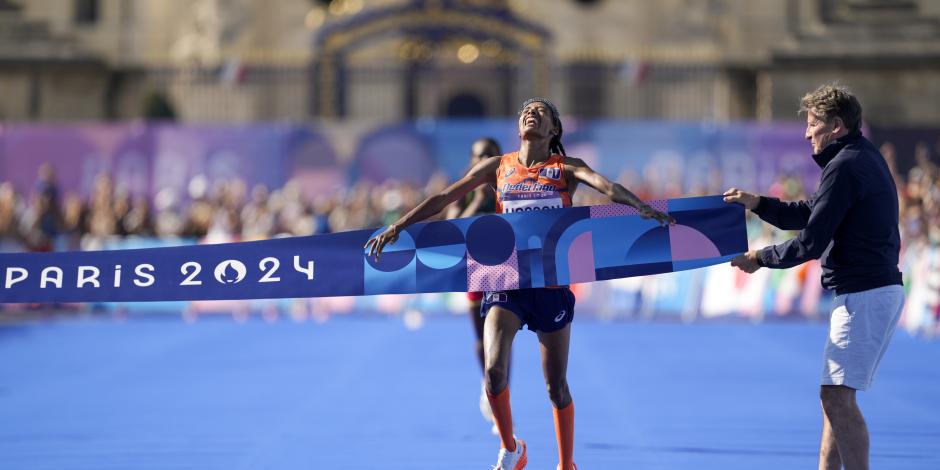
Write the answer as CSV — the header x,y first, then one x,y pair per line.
x,y
42,219
139,221
9,217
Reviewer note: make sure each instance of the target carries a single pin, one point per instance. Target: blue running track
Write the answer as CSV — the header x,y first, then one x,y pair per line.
x,y
366,392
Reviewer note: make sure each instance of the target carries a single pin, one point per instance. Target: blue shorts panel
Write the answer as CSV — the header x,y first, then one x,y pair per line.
x,y
542,309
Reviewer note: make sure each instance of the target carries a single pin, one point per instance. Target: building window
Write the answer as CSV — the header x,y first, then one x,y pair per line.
x,y
587,89
86,12
465,105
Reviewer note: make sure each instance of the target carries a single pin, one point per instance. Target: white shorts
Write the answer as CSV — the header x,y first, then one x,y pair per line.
x,y
860,329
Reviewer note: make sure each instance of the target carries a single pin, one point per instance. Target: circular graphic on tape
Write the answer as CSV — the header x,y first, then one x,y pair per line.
x,y
440,245
395,256
490,240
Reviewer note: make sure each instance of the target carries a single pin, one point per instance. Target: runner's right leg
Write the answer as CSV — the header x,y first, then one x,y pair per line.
x,y
499,331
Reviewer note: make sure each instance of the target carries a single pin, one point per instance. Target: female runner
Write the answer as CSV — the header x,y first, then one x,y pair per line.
x,y
539,175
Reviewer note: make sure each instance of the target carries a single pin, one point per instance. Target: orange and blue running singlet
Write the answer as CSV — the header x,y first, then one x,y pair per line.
x,y
520,188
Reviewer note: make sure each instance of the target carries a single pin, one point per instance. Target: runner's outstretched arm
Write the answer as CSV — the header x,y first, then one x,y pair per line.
x,y
483,172
615,191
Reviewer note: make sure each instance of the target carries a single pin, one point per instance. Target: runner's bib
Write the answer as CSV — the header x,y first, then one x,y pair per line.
x,y
531,201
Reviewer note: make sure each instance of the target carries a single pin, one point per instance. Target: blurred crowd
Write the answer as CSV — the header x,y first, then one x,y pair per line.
x,y
44,219
920,239
227,210
213,211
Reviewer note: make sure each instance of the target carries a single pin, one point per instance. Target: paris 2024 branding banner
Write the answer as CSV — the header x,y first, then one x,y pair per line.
x,y
484,253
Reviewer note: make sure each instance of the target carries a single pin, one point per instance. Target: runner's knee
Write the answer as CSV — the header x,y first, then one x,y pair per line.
x,y
496,378
558,392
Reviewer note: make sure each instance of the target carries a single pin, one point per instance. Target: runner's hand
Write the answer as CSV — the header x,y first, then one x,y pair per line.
x,y
648,212
378,242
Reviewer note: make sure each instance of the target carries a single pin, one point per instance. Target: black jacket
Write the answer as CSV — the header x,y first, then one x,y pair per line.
x,y
851,221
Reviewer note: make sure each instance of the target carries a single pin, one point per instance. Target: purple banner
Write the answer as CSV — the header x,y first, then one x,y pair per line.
x,y
670,159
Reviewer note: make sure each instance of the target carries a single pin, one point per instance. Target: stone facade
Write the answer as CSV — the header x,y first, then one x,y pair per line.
x,y
242,60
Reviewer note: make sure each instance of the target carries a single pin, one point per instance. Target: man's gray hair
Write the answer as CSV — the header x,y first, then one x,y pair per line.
x,y
833,100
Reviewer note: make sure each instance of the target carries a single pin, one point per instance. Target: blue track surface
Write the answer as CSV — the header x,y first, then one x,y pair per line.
x,y
368,393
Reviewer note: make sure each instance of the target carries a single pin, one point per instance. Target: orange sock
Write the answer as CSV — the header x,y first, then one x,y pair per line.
x,y
499,403
564,431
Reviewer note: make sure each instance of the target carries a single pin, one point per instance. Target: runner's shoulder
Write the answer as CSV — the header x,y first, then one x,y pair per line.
x,y
574,162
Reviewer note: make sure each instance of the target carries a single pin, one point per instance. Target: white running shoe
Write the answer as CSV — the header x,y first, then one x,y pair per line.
x,y
512,460
485,409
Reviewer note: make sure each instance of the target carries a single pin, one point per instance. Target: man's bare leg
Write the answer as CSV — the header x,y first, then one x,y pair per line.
x,y
847,425
829,458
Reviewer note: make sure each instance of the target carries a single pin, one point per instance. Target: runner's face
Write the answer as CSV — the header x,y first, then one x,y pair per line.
x,y
535,120
481,150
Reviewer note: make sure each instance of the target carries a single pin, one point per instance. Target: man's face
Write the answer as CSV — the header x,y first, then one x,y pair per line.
x,y
819,132
535,121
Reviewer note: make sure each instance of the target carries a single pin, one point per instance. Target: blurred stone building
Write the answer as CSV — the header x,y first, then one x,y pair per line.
x,y
246,60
